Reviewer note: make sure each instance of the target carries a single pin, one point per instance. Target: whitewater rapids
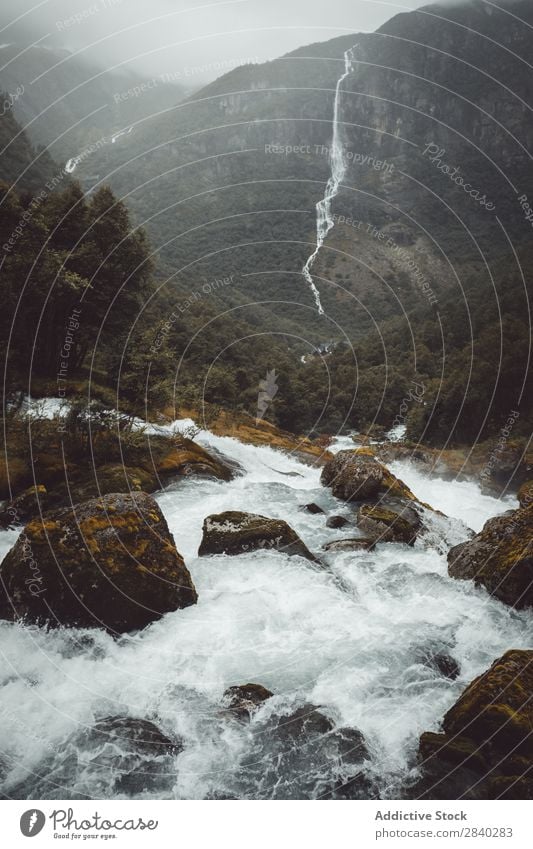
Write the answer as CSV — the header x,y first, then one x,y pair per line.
x,y
349,638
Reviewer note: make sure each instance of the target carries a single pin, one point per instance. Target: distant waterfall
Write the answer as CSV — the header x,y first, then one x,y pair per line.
x,y
324,219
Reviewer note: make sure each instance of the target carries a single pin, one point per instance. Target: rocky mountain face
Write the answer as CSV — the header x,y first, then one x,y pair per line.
x,y
435,126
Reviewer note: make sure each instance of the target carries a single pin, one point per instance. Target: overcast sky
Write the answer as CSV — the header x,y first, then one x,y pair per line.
x,y
157,36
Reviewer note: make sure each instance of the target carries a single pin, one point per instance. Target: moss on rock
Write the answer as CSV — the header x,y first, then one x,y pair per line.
x,y
109,562
500,558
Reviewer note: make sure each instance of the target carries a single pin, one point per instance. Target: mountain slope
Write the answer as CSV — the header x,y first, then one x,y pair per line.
x,y
68,104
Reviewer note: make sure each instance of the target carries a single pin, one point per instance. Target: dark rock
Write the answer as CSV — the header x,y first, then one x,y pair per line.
x,y
390,521
351,544
486,748
499,558
119,755
304,721
445,664
110,562
312,508
234,532
357,476
525,494
336,522
24,507
244,699
183,457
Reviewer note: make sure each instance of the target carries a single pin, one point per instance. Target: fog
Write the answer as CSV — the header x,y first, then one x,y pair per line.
x,y
174,36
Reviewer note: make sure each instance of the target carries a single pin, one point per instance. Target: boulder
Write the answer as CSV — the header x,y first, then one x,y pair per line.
x,y
26,505
499,558
349,544
308,758
241,701
109,562
525,494
183,457
312,508
234,532
389,521
444,664
304,721
485,749
356,475
336,522
118,756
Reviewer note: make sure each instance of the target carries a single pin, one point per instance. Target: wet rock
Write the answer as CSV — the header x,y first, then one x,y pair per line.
x,y
389,521
485,749
350,544
312,508
303,756
243,700
110,562
445,664
499,558
118,756
336,522
357,476
183,457
304,721
347,749
234,532
26,505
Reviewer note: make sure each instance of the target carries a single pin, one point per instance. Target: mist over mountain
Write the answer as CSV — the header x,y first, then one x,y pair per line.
x,y
423,270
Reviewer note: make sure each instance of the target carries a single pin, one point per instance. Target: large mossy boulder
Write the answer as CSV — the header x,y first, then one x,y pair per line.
x,y
234,532
356,475
393,520
183,457
109,562
500,558
485,749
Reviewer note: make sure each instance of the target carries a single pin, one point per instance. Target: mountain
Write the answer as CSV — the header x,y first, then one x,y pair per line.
x,y
69,105
217,200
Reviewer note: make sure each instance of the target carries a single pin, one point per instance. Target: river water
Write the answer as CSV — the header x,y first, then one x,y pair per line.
x,y
349,636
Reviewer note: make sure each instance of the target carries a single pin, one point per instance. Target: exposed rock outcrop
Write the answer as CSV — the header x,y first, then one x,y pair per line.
x,y
336,522
500,558
486,748
356,475
110,562
234,532
121,756
392,520
349,544
312,508
242,700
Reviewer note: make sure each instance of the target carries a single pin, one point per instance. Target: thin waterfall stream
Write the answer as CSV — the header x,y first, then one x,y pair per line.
x,y
324,218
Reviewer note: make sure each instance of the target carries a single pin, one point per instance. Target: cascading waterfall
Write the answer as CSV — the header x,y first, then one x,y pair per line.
x,y
324,219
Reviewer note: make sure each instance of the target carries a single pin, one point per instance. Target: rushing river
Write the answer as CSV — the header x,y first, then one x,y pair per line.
x,y
349,636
